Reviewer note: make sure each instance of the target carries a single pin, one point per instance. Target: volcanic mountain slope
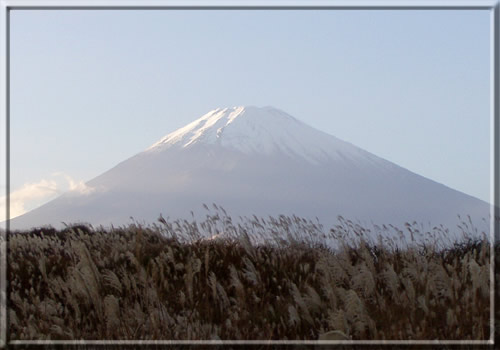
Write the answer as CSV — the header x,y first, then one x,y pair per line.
x,y
258,161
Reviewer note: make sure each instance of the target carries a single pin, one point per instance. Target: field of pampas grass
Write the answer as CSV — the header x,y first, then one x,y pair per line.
x,y
168,282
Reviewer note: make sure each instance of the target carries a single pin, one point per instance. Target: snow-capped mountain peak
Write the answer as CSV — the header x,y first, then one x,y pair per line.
x,y
258,161
264,130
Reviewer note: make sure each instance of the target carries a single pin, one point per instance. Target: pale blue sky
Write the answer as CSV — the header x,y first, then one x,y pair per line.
x,y
90,88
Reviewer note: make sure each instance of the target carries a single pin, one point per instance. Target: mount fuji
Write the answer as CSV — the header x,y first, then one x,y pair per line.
x,y
258,161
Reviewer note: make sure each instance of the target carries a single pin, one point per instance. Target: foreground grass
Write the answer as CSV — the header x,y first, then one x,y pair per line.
x,y
153,283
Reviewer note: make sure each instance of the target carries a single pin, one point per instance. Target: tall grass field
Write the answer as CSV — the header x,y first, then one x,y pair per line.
x,y
258,279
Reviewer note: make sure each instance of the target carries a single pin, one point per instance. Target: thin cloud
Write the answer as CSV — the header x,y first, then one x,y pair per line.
x,y
75,186
34,194
30,192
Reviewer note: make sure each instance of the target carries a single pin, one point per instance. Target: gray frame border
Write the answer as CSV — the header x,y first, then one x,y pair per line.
x,y
492,5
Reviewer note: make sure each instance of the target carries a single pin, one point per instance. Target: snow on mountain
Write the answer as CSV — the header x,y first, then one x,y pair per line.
x,y
253,130
259,161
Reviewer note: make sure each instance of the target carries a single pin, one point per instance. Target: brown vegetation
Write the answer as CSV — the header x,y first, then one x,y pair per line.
x,y
165,282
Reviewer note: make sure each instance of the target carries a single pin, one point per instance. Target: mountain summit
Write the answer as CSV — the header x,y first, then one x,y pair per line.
x,y
254,130
258,161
